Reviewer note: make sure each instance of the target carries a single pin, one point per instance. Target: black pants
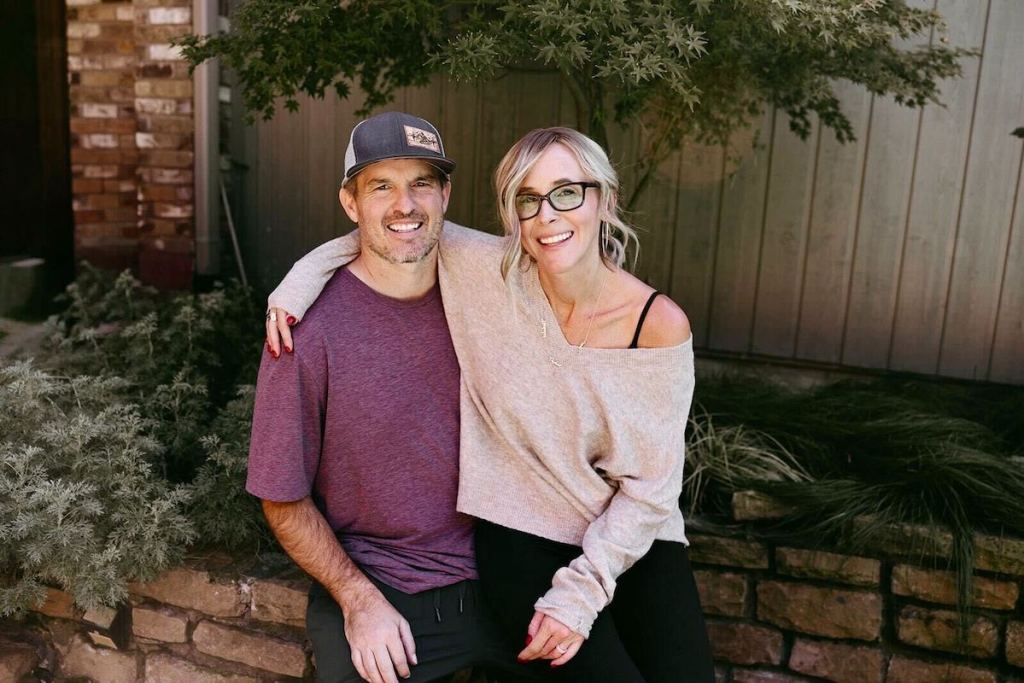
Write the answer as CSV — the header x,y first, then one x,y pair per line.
x,y
652,632
452,628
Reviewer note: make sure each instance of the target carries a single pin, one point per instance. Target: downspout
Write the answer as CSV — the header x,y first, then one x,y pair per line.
x,y
206,83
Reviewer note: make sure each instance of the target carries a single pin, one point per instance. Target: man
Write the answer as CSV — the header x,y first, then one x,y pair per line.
x,y
355,435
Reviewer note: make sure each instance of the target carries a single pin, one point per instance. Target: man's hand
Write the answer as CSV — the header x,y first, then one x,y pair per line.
x,y
380,638
548,638
279,322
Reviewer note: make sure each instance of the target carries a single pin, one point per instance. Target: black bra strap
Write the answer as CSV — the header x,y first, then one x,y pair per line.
x,y
643,316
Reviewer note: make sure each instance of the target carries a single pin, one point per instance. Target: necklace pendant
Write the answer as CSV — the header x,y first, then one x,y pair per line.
x,y
554,362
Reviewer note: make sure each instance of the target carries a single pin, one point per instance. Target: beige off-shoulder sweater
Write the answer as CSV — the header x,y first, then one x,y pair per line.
x,y
581,446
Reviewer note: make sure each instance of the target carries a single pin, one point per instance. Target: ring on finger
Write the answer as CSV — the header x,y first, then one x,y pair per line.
x,y
562,648
272,316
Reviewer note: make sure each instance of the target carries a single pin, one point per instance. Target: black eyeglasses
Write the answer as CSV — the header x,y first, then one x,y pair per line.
x,y
562,198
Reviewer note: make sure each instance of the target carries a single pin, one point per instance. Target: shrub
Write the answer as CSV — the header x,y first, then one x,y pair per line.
x,y
942,454
224,514
183,355
722,460
125,440
80,501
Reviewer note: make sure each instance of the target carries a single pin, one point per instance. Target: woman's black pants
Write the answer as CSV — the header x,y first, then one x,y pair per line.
x,y
652,632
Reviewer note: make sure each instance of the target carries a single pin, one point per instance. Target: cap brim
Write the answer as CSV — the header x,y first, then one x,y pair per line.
x,y
443,164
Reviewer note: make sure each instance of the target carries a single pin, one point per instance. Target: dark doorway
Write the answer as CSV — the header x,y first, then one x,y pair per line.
x,y
35,166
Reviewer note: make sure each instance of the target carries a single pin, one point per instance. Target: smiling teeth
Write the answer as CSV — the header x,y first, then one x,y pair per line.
x,y
560,237
403,227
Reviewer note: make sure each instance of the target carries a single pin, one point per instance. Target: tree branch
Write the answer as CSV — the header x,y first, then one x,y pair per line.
x,y
655,154
579,98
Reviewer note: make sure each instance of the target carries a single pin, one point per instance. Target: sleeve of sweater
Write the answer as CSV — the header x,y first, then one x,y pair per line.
x,y
307,277
647,464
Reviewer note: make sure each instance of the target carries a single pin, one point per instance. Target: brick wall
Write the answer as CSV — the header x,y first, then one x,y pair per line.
x,y
132,137
776,614
206,622
209,621
782,614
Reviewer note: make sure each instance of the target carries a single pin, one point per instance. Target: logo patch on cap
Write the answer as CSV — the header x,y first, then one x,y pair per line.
x,y
417,137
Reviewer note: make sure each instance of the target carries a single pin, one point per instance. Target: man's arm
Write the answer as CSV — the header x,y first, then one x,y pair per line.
x,y
380,638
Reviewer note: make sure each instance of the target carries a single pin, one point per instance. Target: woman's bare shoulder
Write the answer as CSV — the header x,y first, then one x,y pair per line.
x,y
666,325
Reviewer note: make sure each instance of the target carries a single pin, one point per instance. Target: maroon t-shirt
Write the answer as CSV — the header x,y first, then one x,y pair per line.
x,y
364,416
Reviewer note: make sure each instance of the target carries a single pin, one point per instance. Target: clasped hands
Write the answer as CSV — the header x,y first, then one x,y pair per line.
x,y
548,638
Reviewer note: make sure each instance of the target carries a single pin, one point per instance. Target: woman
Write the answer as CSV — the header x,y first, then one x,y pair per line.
x,y
572,443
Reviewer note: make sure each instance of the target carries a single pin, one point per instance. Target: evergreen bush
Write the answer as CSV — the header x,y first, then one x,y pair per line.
x,y
124,442
224,514
183,355
81,505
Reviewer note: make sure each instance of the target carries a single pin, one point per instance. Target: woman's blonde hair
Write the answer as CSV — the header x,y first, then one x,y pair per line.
x,y
615,235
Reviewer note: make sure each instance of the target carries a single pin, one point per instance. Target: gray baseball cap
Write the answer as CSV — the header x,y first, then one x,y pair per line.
x,y
394,135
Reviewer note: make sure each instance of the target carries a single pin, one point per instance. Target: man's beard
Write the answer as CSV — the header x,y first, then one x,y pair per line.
x,y
432,233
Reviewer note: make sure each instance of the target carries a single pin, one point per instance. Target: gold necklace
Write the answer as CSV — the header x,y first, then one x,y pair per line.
x,y
593,313
590,323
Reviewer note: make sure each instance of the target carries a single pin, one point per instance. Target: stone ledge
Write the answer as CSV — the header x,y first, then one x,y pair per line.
x,y
159,624
821,611
103,617
57,604
251,648
1015,643
193,589
837,662
283,602
940,587
1002,555
906,670
725,550
265,614
168,669
100,664
937,630
16,660
741,643
999,554
816,564
722,593
762,676
750,506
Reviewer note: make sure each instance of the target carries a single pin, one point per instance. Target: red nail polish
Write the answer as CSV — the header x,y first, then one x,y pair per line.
x,y
288,349
275,354
520,660
529,639
290,320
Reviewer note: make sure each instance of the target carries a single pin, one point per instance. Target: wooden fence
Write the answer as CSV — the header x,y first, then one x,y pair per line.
x,y
901,251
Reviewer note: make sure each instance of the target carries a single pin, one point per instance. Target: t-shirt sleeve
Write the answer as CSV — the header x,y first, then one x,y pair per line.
x,y
287,425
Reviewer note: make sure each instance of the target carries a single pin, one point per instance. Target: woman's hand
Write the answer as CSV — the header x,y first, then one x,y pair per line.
x,y
548,638
279,322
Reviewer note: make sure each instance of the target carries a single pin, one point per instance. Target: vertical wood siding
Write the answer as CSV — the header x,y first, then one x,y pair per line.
x,y
903,250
